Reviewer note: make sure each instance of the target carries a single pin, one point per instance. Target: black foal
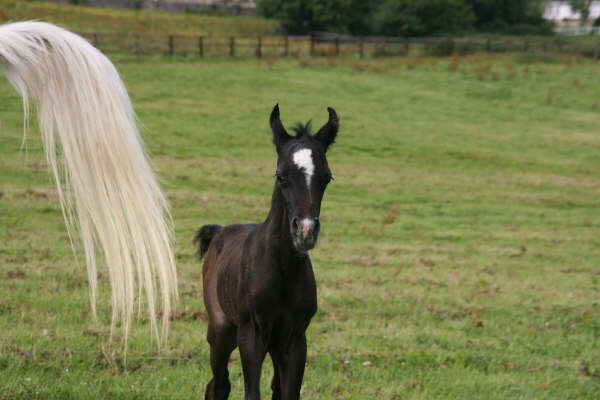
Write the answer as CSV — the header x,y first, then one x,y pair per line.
x,y
259,286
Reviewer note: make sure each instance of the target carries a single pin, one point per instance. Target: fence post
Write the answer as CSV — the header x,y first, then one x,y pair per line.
x,y
95,39
361,47
201,46
259,47
337,46
286,46
312,45
171,45
231,46
380,47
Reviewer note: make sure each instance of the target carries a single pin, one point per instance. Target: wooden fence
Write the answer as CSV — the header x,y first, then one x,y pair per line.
x,y
328,45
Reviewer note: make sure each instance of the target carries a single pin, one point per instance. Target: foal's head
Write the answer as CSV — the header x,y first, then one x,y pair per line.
x,y
303,174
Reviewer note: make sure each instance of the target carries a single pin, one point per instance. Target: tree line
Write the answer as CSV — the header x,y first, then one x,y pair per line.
x,y
408,17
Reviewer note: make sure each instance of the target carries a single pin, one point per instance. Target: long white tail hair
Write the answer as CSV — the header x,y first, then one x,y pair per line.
x,y
108,192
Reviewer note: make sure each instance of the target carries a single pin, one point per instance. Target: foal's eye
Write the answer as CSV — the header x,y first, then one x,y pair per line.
x,y
281,180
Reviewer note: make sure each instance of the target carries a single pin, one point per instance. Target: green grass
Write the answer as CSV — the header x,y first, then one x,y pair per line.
x,y
82,18
460,247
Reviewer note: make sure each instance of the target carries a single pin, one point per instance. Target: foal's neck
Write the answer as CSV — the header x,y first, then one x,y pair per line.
x,y
277,229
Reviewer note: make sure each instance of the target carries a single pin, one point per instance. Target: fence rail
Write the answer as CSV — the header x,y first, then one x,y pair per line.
x,y
328,45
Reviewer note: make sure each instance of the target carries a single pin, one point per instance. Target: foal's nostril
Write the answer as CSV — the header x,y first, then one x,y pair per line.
x,y
295,226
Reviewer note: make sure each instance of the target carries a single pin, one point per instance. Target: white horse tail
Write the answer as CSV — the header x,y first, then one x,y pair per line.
x,y
107,190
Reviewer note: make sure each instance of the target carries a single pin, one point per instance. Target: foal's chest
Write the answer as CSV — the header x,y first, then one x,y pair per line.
x,y
290,292
298,293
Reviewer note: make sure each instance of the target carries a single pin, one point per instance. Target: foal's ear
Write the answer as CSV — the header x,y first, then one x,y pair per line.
x,y
280,135
328,132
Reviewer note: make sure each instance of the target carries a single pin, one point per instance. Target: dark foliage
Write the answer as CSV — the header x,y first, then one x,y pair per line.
x,y
510,16
407,17
421,18
303,16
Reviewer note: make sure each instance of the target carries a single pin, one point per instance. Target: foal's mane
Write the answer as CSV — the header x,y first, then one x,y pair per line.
x,y
302,129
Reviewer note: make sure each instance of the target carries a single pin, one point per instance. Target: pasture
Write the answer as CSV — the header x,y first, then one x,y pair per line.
x,y
460,239
81,18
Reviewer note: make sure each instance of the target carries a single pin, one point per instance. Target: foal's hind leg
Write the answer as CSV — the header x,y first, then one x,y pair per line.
x,y
222,342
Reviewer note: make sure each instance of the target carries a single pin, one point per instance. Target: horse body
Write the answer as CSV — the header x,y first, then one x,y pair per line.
x,y
254,287
259,286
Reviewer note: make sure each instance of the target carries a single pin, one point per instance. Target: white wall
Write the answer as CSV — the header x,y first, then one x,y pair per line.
x,y
560,10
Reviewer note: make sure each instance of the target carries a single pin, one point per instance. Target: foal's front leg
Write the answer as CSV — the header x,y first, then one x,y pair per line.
x,y
253,348
290,361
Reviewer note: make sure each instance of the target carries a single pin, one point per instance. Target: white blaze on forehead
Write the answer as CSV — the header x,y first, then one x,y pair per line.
x,y
304,161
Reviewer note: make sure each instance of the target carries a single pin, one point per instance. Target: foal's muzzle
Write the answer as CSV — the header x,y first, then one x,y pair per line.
x,y
304,233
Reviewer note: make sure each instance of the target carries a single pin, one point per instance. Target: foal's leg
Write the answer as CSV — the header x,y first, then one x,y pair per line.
x,y
222,342
291,360
276,382
252,350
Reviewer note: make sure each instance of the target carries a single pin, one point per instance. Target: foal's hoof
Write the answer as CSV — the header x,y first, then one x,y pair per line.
x,y
214,392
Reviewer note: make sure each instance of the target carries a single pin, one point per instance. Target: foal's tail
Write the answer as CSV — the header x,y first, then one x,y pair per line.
x,y
107,190
204,236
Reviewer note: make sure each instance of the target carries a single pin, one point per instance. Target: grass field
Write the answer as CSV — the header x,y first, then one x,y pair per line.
x,y
460,249
91,19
